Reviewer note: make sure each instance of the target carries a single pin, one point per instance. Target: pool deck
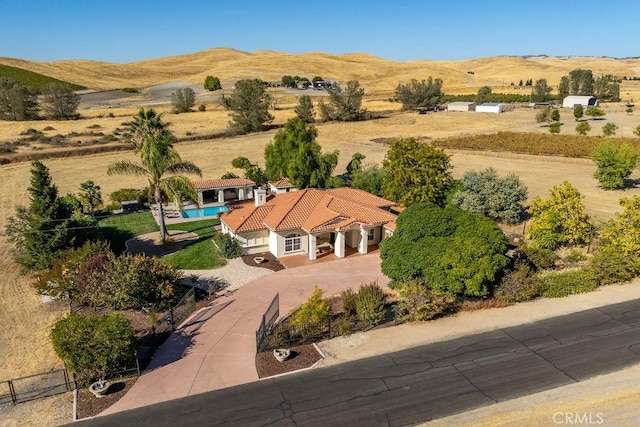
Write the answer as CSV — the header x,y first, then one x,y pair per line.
x,y
179,220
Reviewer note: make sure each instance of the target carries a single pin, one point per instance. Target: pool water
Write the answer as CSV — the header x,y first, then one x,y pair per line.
x,y
203,212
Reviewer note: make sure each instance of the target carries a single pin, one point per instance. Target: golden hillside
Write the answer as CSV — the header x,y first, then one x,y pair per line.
x,y
377,75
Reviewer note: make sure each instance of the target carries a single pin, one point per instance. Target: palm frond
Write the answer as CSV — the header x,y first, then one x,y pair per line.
x,y
180,188
126,167
184,167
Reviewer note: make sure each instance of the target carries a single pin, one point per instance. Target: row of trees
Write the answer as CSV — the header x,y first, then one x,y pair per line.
x,y
18,102
581,82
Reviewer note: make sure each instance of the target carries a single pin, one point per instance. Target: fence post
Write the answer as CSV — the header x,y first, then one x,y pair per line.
x,y
12,392
329,327
135,353
169,319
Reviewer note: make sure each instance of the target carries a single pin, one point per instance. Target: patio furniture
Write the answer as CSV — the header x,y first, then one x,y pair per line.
x,y
324,247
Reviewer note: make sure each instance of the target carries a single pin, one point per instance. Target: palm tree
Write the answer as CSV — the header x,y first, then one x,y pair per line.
x,y
145,124
159,159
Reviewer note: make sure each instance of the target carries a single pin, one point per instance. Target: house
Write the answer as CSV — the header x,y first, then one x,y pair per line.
x,y
281,186
461,106
573,101
321,84
310,221
489,107
224,190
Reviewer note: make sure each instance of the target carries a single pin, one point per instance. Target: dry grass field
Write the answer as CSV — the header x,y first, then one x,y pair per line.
x,y
26,322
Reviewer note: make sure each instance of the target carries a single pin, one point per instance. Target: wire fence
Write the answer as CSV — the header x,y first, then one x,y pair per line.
x,y
37,386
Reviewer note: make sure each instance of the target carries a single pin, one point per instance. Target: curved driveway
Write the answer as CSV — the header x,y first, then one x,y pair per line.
x,y
421,383
215,349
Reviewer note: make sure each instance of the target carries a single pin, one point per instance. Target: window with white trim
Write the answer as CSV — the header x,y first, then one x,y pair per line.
x,y
292,243
371,234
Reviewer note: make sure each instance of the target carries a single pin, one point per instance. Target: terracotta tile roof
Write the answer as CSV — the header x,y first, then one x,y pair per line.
x,y
390,226
245,216
361,197
312,210
282,183
211,184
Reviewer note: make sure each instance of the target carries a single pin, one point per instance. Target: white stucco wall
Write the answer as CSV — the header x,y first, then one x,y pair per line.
x,y
280,237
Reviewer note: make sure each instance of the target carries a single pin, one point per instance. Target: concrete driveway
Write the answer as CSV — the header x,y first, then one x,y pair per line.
x,y
216,348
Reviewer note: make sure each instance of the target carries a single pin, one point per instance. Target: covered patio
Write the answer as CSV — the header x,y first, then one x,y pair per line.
x,y
300,260
224,190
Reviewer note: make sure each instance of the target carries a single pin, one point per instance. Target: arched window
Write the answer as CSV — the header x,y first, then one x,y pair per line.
x,y
292,243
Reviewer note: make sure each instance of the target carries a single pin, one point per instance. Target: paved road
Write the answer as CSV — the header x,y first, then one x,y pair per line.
x,y
421,383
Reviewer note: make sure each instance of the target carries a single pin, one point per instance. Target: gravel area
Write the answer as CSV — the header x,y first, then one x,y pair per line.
x,y
235,274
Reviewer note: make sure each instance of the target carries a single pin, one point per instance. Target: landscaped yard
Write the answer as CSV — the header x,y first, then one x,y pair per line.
x,y
199,255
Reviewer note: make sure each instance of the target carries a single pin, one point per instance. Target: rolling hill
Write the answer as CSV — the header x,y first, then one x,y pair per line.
x,y
377,75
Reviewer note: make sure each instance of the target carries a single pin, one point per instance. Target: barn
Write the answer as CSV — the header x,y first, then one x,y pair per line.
x,y
489,107
574,100
461,106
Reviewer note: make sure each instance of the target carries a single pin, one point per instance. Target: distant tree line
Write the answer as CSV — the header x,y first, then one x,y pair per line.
x,y
492,97
18,102
581,82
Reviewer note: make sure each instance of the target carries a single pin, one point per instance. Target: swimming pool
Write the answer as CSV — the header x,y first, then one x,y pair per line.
x,y
203,212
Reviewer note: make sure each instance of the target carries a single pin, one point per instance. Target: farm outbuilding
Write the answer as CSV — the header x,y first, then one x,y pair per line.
x,y
575,100
461,106
489,107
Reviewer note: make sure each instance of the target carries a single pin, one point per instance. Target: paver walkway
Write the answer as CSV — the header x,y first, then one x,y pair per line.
x,y
216,347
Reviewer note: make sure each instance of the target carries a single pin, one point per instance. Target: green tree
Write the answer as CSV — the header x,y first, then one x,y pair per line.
x,y
578,112
304,109
495,197
295,154
583,128
636,131
369,179
555,115
420,94
147,125
90,196
609,129
42,231
344,105
483,94
541,91
581,82
447,250
288,81
59,102
183,100
560,219
564,87
249,107
415,172
17,102
252,171
93,346
212,83
354,165
544,115
161,165
594,112
615,164
554,127
316,79
607,87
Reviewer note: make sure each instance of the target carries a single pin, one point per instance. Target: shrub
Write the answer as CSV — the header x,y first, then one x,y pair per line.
x,y
418,303
518,285
125,194
345,325
349,300
609,129
48,128
554,127
370,304
202,107
541,258
228,246
583,128
575,256
315,310
562,284
130,90
613,266
93,346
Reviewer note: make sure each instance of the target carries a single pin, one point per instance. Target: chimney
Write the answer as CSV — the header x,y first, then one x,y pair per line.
x,y
260,196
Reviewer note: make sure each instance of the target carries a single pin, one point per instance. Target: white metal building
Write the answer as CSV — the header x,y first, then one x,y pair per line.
x,y
574,100
461,106
489,107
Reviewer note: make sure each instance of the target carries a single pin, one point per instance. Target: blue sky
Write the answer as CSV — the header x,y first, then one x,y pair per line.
x,y
133,30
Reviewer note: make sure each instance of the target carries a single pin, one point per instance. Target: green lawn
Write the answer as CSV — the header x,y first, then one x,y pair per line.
x,y
199,255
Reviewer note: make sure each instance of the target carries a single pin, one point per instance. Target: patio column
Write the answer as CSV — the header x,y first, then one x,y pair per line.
x,y
201,197
220,196
339,244
312,247
364,240
241,193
